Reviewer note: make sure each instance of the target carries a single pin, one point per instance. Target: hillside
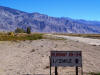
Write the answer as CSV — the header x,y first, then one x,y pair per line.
x,y
10,19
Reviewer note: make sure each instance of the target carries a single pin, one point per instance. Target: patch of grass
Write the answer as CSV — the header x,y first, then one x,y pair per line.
x,y
33,50
21,37
2,33
53,38
47,67
92,73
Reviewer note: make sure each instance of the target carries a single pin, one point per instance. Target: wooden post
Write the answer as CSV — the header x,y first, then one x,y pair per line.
x,y
50,64
76,70
56,73
82,66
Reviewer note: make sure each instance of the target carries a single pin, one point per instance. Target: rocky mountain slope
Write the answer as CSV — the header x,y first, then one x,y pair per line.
x,y
10,19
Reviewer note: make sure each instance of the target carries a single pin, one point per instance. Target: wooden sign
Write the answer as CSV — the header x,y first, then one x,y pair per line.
x,y
66,58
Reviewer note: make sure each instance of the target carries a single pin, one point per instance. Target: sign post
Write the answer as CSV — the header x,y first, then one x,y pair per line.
x,y
50,64
76,70
56,72
66,58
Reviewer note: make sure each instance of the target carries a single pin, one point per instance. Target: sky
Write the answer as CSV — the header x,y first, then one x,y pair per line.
x,y
75,9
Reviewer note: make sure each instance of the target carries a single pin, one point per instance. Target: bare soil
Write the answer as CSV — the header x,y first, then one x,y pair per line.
x,y
32,57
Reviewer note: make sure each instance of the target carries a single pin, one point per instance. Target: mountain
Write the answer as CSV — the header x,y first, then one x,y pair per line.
x,y
10,19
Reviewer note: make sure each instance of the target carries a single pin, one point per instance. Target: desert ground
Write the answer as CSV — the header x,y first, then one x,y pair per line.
x,y
32,57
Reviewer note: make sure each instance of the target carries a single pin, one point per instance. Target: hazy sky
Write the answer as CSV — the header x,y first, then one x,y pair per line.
x,y
76,9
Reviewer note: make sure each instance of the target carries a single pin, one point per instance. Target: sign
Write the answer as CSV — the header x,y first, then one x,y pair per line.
x,y
66,58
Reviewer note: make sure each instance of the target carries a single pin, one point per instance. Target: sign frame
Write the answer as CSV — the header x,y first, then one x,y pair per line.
x,y
63,55
66,58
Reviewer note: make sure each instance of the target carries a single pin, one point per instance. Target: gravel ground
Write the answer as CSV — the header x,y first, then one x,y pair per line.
x,y
32,57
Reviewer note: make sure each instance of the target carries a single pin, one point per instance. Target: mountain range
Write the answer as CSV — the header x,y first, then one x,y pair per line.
x,y
10,19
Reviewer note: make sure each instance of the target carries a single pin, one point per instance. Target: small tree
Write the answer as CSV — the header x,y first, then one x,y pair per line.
x,y
19,30
28,30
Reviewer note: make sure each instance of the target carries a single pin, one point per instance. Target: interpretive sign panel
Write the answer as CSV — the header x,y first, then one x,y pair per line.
x,y
66,58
